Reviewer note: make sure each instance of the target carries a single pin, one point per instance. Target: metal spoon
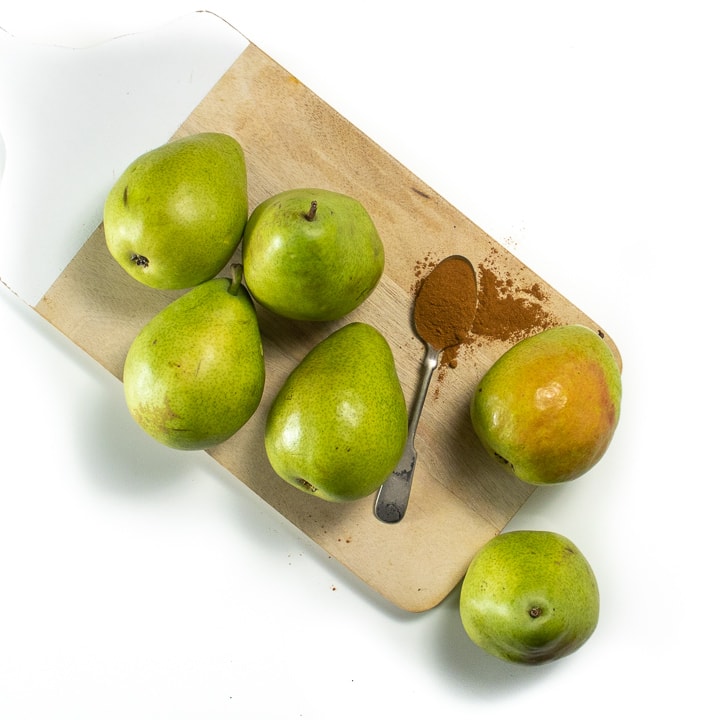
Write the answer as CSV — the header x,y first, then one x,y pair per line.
x,y
393,496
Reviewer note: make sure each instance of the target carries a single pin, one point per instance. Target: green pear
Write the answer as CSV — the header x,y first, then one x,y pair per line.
x,y
194,375
338,424
175,216
311,254
529,596
548,407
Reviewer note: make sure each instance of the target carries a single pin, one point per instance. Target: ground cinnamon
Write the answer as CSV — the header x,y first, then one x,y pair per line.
x,y
506,312
445,303
501,308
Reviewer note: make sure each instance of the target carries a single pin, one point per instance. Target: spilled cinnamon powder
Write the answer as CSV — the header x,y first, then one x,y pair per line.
x,y
504,310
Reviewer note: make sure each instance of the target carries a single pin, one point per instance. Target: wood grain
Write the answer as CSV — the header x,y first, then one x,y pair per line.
x,y
291,138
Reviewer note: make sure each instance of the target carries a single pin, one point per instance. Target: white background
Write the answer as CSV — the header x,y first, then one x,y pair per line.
x,y
135,582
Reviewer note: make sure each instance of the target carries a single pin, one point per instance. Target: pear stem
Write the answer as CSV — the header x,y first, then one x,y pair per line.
x,y
236,270
310,214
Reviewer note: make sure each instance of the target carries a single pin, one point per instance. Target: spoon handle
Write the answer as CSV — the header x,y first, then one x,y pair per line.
x,y
392,498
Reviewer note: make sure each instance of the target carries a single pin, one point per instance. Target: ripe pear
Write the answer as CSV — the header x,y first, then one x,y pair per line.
x,y
311,254
176,215
338,424
548,407
529,596
194,375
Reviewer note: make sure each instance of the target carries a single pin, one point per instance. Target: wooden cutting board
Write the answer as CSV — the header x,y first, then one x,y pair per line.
x,y
460,498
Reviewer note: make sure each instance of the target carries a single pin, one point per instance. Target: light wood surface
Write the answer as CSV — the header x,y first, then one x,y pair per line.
x,y
461,498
